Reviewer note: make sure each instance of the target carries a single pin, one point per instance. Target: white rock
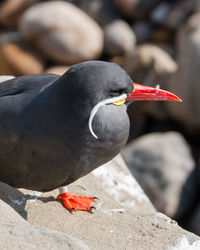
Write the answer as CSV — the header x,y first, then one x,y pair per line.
x,y
122,186
184,244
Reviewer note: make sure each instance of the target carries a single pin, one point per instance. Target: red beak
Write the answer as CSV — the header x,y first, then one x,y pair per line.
x,y
141,92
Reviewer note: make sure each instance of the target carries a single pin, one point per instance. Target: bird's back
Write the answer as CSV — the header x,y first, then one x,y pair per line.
x,y
15,96
18,92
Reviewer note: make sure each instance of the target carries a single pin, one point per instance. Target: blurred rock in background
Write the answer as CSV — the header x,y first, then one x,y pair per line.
x,y
116,44
185,82
142,31
102,11
11,10
162,164
17,59
136,9
157,42
59,69
194,221
150,65
70,37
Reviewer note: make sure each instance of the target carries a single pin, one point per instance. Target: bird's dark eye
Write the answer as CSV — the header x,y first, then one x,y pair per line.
x,y
117,92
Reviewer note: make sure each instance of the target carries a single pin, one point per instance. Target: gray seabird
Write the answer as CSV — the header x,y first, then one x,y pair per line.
x,y
56,129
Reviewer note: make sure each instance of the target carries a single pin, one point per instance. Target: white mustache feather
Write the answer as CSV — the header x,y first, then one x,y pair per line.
x,y
97,107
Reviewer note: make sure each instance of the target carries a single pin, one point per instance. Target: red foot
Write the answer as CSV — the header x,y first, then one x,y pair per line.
x,y
75,203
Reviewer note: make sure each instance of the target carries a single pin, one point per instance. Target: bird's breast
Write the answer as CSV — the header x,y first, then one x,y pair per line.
x,y
111,125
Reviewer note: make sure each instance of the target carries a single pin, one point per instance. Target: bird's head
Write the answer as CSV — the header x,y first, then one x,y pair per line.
x,y
94,84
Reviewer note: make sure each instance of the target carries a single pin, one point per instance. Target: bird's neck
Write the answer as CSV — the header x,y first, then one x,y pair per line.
x,y
69,102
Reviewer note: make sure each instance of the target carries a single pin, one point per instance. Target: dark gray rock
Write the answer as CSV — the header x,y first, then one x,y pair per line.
x,y
136,9
197,5
179,13
142,31
160,13
173,14
194,221
102,11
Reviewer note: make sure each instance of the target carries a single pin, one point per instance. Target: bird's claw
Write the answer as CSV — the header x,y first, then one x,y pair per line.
x,y
92,207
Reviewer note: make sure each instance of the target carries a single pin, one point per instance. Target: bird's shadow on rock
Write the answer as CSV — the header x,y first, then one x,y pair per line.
x,y
17,199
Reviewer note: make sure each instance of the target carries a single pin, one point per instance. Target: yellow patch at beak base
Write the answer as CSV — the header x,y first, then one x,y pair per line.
x,y
118,103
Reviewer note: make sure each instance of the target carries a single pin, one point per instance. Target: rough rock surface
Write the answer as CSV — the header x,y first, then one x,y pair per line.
x,y
116,44
121,185
69,37
162,164
111,226
18,234
185,83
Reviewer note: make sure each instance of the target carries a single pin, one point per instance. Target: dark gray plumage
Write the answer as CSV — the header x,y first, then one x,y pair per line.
x,y
45,141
